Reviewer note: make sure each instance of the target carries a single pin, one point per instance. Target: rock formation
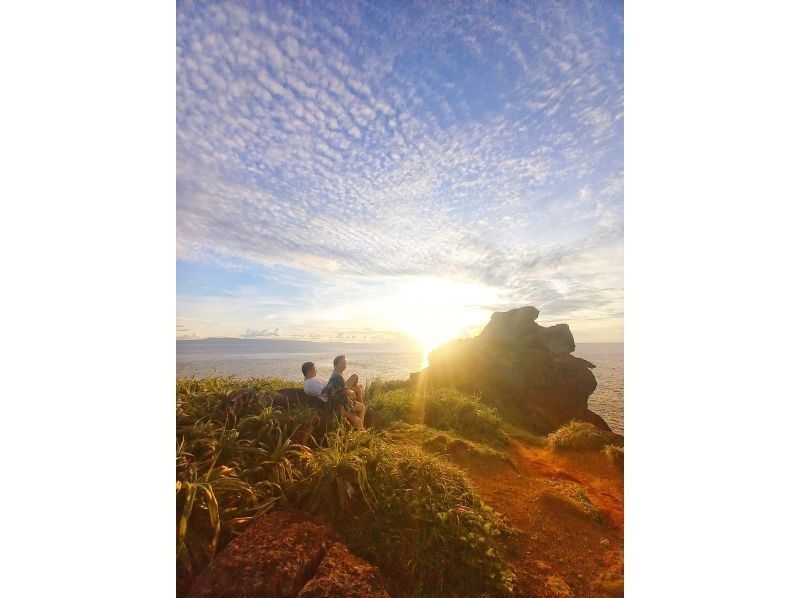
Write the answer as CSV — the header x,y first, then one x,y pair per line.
x,y
283,554
522,368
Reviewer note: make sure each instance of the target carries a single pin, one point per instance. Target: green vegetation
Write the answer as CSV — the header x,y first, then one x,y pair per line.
x,y
576,495
615,454
516,431
440,441
228,469
201,397
580,436
443,409
379,386
393,503
402,508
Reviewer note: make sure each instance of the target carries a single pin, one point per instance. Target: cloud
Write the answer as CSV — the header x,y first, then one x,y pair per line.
x,y
350,142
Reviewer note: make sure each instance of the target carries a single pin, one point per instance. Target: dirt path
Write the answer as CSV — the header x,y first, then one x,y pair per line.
x,y
568,509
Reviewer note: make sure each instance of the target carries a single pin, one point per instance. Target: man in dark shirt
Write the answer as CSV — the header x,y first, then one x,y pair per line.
x,y
346,396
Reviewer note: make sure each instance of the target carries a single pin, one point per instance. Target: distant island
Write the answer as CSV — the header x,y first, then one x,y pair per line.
x,y
294,344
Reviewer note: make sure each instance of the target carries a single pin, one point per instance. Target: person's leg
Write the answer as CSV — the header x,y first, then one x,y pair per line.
x,y
358,389
354,420
360,409
351,417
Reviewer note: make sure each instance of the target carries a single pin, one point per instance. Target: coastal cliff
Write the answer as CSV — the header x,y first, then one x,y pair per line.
x,y
453,490
522,368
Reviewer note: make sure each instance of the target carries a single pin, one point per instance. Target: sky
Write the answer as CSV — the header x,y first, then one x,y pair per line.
x,y
397,171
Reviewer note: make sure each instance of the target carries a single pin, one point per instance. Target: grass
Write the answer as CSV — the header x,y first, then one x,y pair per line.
x,y
203,397
576,494
402,508
440,408
615,454
441,441
580,436
515,431
379,385
228,470
395,504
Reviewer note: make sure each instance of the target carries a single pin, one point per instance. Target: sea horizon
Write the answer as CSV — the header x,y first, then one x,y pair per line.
x,y
282,358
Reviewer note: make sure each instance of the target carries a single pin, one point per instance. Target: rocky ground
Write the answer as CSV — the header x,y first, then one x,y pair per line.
x,y
286,554
568,512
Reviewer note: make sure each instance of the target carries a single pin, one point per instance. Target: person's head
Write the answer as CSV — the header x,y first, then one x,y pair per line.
x,y
309,369
339,363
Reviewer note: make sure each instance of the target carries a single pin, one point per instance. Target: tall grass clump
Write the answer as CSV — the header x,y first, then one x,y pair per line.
x,y
615,454
230,469
441,408
379,386
392,406
576,496
202,397
580,436
404,509
414,515
442,441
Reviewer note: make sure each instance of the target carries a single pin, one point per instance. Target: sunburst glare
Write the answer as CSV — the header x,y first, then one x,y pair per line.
x,y
435,310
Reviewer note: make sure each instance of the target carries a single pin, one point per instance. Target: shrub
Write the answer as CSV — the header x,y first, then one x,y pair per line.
x,y
392,406
394,504
227,471
208,397
580,436
403,509
442,441
449,409
444,409
615,454
577,497
379,386
335,476
208,507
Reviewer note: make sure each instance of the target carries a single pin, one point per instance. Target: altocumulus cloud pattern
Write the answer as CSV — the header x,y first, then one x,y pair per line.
x,y
342,145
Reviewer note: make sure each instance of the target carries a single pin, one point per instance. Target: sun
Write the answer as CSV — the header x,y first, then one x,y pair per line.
x,y
436,310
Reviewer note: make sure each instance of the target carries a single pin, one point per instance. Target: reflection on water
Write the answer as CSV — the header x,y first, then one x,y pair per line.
x,y
257,360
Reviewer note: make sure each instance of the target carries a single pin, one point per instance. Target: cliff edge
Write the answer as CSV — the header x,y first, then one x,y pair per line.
x,y
524,369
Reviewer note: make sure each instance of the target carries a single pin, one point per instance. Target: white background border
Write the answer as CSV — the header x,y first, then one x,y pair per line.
x,y
87,135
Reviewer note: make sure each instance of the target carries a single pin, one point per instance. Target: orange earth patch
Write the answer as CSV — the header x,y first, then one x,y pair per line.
x,y
568,512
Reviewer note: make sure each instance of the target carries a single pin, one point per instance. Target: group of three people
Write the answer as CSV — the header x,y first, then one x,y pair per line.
x,y
346,397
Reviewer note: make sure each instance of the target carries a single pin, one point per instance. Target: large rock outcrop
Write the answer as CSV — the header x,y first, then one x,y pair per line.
x,y
522,368
284,554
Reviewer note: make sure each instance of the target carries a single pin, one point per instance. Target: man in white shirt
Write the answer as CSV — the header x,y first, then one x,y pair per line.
x,y
313,386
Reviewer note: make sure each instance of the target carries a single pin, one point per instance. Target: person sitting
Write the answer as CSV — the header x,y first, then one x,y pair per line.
x,y
313,386
346,396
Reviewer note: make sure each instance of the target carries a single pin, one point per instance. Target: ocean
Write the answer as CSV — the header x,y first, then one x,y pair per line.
x,y
608,398
282,359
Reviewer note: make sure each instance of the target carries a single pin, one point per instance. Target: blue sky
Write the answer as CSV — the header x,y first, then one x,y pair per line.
x,y
373,171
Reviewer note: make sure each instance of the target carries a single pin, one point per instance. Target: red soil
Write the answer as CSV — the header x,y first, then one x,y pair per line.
x,y
563,545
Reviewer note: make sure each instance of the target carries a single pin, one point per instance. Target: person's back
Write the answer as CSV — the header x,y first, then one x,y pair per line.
x,y
313,386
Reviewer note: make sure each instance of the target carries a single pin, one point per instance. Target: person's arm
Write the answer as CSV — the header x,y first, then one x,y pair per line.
x,y
336,386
